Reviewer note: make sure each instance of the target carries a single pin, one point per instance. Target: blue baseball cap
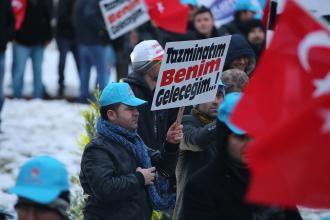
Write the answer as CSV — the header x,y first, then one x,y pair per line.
x,y
242,5
226,108
119,93
42,179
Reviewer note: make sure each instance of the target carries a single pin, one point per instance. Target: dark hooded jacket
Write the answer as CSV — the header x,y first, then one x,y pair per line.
x,y
240,47
217,192
152,125
36,27
199,36
64,15
257,48
7,23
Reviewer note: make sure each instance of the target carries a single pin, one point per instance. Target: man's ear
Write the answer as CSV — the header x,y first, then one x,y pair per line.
x,y
112,115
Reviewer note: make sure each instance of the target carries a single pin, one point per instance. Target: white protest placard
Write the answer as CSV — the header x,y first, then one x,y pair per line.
x,y
122,16
190,72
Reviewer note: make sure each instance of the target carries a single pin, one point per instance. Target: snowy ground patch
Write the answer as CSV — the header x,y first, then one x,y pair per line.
x,y
37,127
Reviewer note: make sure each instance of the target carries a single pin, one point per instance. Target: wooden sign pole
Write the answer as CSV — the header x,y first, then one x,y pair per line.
x,y
180,115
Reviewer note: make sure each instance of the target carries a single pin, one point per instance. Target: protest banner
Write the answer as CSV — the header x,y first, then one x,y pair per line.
x,y
122,16
189,72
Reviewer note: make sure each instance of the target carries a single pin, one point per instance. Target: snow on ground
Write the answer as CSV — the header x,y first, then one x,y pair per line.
x,y
36,127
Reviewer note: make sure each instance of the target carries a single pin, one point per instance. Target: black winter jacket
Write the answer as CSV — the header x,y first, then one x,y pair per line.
x,y
152,125
36,27
88,22
199,36
115,190
217,191
64,16
233,27
7,24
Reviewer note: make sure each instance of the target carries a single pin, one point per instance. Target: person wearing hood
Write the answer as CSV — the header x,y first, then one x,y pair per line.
x,y
255,34
204,24
146,60
240,55
218,191
244,11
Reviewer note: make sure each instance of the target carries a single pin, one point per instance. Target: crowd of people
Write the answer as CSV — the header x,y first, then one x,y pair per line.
x,y
140,160
77,26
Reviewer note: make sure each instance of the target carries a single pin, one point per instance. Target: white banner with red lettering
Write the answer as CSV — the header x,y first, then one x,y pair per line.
x,y
190,72
122,16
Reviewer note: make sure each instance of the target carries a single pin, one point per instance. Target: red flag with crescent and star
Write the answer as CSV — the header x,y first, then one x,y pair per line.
x,y
286,108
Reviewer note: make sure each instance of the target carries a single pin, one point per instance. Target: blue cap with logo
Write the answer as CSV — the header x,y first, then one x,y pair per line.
x,y
42,179
119,93
226,109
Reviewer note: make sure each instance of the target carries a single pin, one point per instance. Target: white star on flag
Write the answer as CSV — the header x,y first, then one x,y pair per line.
x,y
160,7
322,86
326,115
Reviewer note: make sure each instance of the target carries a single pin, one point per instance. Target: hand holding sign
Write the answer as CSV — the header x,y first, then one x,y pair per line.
x,y
174,133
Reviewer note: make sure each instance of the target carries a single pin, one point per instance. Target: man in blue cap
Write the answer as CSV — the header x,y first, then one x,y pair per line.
x,y
117,169
42,187
218,190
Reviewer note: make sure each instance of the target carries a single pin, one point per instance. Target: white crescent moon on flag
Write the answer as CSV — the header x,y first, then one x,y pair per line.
x,y
314,39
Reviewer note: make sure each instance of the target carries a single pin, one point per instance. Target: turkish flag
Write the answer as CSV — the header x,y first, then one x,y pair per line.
x,y
170,15
283,81
19,8
286,108
265,15
290,165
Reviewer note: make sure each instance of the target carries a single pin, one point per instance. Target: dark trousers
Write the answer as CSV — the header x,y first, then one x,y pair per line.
x,y
66,45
